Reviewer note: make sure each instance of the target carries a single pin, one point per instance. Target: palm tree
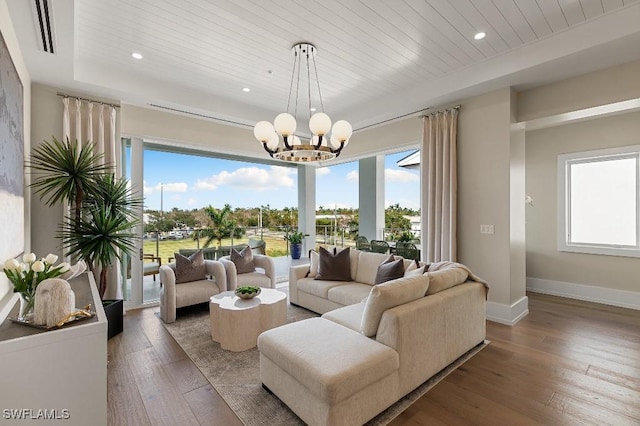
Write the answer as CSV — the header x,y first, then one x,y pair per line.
x,y
221,226
66,173
99,232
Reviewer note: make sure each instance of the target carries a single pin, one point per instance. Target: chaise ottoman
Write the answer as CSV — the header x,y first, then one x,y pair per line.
x,y
328,374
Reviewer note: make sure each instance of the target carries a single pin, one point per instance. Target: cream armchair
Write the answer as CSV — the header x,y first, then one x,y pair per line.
x,y
264,275
174,295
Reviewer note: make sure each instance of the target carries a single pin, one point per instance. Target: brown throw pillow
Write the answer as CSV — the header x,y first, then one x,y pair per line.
x,y
243,260
190,268
334,267
389,270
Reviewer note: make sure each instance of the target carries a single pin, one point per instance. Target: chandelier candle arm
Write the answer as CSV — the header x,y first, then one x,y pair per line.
x,y
321,147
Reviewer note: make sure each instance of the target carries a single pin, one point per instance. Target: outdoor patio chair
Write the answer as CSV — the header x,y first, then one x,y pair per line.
x,y
378,246
363,244
407,250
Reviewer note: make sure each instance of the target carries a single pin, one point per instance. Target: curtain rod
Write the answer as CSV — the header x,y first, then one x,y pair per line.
x,y
442,110
64,95
391,119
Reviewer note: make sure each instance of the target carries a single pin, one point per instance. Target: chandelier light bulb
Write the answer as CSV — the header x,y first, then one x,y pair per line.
x,y
297,141
285,124
263,130
342,130
320,124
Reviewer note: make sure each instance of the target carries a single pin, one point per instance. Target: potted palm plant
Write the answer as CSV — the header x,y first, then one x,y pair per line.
x,y
99,230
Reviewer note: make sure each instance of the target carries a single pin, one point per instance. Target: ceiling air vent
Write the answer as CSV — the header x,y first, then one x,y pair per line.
x,y
43,17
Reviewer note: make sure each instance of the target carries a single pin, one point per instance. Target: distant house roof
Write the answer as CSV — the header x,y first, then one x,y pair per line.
x,y
411,161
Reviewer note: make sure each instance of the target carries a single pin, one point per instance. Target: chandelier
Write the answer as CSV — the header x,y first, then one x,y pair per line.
x,y
291,148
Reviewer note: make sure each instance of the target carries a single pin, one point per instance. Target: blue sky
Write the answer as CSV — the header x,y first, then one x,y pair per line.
x,y
190,181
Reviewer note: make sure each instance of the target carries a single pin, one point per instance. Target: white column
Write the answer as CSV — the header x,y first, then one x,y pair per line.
x,y
307,205
371,197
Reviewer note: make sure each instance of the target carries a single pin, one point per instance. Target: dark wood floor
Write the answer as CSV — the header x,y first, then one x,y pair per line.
x,y
567,362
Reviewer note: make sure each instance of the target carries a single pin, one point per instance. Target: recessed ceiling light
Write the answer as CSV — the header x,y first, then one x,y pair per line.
x,y
312,109
246,89
479,36
136,55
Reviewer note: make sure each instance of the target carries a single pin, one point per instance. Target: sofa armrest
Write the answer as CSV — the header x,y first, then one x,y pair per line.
x,y
295,273
266,262
231,273
217,270
167,294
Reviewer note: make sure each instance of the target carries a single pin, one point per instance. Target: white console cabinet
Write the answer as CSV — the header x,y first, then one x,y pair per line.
x,y
58,375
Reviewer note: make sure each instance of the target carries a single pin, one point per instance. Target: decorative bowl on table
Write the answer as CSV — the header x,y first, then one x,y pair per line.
x,y
247,292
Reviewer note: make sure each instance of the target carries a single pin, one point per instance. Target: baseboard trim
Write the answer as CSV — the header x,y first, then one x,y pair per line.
x,y
508,314
588,293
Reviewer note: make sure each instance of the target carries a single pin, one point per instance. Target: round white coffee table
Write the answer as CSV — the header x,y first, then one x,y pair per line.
x,y
236,323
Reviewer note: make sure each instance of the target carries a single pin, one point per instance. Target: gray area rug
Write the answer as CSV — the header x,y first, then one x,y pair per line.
x,y
236,375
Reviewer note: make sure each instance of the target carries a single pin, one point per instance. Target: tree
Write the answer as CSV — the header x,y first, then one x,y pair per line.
x,y
395,220
221,225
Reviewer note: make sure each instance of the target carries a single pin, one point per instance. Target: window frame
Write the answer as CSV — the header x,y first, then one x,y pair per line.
x,y
564,206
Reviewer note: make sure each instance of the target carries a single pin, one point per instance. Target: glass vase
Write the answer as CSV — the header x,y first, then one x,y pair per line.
x,y
27,303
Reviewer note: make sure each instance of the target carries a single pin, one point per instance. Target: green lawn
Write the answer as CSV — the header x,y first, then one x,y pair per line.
x,y
276,246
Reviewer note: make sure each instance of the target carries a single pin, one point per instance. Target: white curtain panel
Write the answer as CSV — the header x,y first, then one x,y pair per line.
x,y
104,137
439,177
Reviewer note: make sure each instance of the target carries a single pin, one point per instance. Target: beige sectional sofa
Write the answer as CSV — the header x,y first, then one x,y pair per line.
x,y
362,356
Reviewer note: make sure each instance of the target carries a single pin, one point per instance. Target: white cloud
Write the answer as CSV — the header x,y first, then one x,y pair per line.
x,y
250,178
353,176
395,175
166,187
321,171
192,202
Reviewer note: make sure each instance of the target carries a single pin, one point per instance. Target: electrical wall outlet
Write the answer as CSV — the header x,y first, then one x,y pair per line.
x,y
486,229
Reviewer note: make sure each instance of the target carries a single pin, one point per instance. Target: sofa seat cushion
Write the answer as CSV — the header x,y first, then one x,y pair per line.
x,y
256,279
349,316
330,360
348,294
318,288
195,292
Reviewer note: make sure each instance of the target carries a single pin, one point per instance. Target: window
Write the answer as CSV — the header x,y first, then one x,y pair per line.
x,y
598,202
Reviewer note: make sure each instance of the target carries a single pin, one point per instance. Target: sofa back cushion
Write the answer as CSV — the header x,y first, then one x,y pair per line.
x,y
334,267
389,295
190,268
368,263
446,278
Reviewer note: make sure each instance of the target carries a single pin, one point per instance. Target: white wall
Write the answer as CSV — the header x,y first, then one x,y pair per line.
x,y
484,194
8,33
544,261
610,85
604,279
47,122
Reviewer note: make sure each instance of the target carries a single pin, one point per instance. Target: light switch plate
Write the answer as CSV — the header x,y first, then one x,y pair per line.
x,y
486,229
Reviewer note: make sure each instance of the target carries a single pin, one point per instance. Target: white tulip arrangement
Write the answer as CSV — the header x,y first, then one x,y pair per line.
x,y
26,275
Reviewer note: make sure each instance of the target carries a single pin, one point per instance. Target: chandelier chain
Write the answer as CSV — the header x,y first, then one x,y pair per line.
x,y
293,71
315,69
309,84
299,59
